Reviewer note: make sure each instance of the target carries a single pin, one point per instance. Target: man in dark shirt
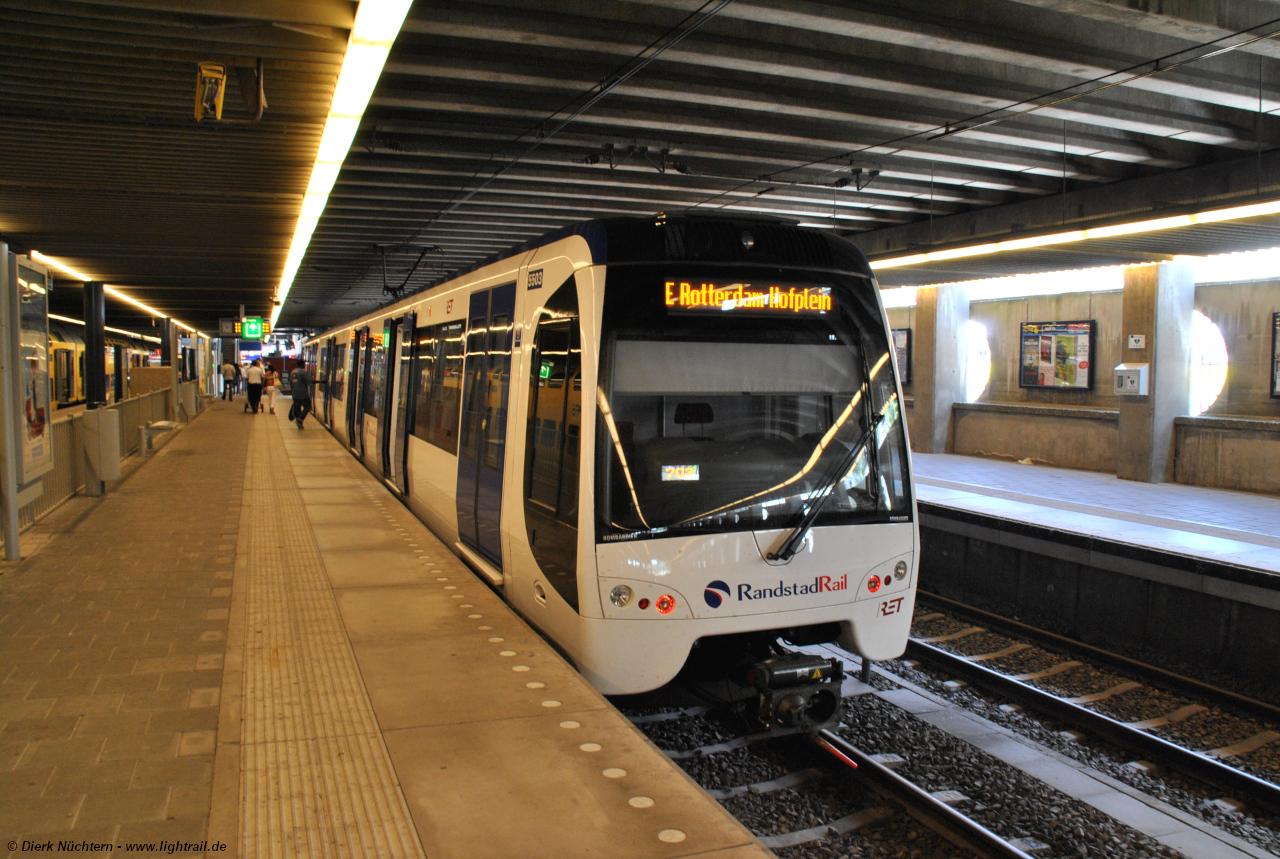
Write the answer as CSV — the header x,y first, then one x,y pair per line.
x,y
300,380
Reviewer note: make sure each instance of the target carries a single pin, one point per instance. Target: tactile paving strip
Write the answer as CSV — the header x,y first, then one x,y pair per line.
x,y
315,776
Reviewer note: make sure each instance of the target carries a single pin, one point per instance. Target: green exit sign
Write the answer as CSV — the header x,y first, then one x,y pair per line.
x,y
251,329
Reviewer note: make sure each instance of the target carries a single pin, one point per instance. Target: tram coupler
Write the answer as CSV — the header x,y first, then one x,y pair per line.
x,y
797,691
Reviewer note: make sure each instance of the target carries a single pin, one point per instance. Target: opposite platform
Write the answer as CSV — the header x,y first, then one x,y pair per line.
x,y
1164,571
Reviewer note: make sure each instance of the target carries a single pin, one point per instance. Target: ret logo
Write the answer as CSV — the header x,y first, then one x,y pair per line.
x,y
715,593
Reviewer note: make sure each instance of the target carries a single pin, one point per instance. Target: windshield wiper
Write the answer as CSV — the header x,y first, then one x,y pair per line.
x,y
792,544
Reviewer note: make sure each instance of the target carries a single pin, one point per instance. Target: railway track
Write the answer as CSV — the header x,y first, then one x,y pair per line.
x,y
826,796
1156,737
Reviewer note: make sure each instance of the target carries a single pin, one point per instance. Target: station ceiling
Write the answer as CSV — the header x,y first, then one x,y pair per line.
x,y
906,125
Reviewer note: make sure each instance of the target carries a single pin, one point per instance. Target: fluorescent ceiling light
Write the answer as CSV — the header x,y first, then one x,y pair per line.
x,y
1234,268
1214,216
1103,279
375,30
112,291
109,328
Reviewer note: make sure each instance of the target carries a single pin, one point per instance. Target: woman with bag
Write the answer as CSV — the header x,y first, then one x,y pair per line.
x,y
270,381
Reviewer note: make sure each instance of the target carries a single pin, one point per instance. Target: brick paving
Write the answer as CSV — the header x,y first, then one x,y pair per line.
x,y
112,644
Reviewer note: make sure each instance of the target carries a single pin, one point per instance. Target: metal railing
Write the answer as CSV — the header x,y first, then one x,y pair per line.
x,y
64,481
136,412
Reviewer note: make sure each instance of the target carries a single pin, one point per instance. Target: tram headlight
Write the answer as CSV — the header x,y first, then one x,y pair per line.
x,y
899,570
621,596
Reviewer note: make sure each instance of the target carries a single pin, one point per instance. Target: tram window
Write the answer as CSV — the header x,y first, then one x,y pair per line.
x,y
337,390
721,423
438,370
375,372
553,442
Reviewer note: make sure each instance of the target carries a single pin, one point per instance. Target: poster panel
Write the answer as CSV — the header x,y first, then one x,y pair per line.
x,y
1056,354
902,352
1275,355
35,444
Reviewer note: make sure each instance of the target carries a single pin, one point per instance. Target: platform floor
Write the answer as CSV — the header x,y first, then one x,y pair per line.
x,y
1237,528
250,641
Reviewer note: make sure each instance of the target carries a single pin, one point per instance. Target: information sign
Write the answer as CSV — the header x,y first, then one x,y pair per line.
x,y
1275,355
902,351
31,387
251,328
1057,355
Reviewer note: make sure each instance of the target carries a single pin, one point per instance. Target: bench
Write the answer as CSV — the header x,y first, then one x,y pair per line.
x,y
148,431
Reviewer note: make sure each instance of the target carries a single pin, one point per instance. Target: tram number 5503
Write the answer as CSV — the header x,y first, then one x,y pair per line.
x,y
889,607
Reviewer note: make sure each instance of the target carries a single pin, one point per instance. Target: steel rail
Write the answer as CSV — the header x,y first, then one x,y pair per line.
x,y
920,804
1201,767
1241,704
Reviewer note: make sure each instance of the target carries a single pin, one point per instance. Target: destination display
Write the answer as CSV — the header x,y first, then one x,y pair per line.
x,y
1057,354
702,296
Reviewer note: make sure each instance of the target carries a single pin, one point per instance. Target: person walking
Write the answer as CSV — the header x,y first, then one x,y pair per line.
x,y
300,380
254,377
228,381
239,377
270,381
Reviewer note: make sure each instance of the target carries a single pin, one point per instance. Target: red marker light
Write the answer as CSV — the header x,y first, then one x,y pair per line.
x,y
665,604
873,584
644,603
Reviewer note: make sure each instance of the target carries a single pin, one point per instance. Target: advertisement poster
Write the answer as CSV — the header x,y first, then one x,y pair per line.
x,y
1275,355
902,351
35,455
1057,355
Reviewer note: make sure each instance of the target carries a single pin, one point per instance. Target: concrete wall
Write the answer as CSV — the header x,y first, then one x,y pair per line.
x,y
1083,439
1002,320
1243,312
1229,453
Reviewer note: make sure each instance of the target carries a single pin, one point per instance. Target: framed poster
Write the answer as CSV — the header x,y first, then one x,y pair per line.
x,y
29,301
902,351
1275,355
1056,355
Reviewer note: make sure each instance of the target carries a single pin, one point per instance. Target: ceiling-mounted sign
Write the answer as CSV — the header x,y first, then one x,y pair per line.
x,y
251,328
702,296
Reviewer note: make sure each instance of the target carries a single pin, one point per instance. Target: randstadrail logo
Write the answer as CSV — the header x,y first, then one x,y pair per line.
x,y
715,593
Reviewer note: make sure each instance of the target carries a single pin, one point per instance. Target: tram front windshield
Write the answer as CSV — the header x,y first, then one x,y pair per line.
x,y
737,400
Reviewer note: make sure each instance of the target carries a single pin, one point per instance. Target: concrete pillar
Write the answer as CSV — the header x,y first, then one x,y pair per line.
x,y
95,346
1158,304
938,366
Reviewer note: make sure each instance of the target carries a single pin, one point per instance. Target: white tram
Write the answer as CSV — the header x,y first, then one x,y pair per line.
x,y
651,434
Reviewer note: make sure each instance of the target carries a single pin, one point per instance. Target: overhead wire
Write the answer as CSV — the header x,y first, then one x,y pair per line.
x,y
904,143
584,101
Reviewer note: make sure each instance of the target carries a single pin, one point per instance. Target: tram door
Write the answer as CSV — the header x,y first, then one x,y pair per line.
x,y
486,384
386,404
331,371
355,392
404,395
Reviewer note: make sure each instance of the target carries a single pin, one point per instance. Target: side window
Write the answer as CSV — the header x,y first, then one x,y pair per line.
x,y
553,445
339,372
437,370
375,372
424,360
